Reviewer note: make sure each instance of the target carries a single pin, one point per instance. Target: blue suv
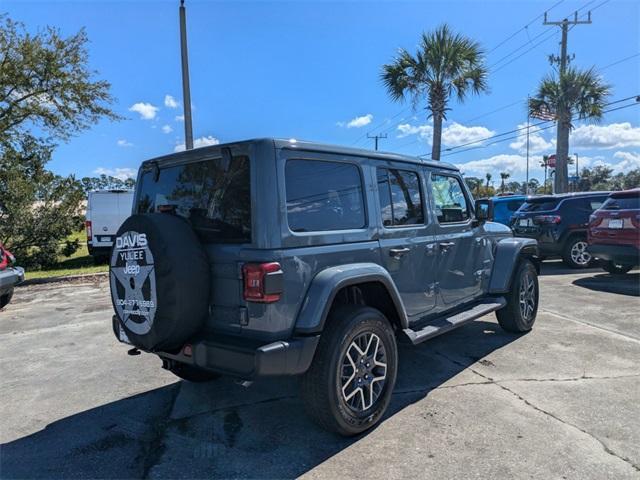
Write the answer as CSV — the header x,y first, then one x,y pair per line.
x,y
503,207
277,257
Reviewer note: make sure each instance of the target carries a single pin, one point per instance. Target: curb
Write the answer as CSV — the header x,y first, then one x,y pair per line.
x,y
66,278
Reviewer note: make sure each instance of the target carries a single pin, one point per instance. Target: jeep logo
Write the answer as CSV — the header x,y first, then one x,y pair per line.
x,y
131,240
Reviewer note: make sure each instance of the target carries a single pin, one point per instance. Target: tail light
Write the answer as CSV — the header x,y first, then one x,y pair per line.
x,y
547,219
262,282
87,226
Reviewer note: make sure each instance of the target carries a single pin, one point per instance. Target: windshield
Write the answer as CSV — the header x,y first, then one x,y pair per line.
x,y
539,205
215,200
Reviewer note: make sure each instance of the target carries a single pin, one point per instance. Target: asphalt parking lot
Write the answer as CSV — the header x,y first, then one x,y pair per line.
x,y
560,402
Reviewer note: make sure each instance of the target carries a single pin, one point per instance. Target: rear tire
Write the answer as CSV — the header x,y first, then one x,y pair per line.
x,y
193,374
519,315
349,385
5,299
615,268
575,254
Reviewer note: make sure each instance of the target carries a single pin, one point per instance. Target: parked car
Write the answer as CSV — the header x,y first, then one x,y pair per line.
x,y
559,224
106,210
614,232
10,276
276,257
503,207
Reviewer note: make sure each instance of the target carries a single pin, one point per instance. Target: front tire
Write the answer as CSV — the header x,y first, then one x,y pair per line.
x,y
519,315
575,254
349,385
615,268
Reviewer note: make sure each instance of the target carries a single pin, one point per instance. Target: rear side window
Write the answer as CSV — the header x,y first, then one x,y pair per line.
x,y
448,195
622,203
215,198
539,206
323,196
400,197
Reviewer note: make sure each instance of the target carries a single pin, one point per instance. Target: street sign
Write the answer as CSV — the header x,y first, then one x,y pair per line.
x,y
551,161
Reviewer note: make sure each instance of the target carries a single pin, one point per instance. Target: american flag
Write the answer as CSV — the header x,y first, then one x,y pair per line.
x,y
543,114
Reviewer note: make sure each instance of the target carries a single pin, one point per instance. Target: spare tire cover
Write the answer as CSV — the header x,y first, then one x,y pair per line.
x,y
159,277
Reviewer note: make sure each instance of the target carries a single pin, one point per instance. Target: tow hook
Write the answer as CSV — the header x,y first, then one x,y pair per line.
x,y
133,351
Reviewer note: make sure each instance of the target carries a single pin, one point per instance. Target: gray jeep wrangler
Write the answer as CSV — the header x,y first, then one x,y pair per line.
x,y
281,257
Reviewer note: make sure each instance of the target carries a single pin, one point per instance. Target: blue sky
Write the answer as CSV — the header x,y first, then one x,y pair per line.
x,y
310,70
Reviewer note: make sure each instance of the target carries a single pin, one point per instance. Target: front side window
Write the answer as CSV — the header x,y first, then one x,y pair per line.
x,y
214,197
323,196
450,201
400,197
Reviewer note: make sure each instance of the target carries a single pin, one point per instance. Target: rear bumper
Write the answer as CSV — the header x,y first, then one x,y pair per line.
x,y
624,254
246,359
9,278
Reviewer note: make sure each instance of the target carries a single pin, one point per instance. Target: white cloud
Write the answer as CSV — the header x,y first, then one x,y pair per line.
x,y
629,161
146,110
357,122
170,102
167,129
124,143
423,131
198,142
537,143
179,118
510,163
453,134
614,135
457,134
121,173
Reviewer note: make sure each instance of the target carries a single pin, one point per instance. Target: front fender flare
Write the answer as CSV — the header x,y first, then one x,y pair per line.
x,y
507,256
327,283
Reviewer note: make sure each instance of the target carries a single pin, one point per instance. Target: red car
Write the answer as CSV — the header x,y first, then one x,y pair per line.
x,y
10,276
614,232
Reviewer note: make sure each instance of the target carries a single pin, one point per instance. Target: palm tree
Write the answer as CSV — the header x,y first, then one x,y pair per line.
x,y
445,64
488,177
504,176
572,94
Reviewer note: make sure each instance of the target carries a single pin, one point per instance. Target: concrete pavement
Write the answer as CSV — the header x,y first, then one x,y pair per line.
x,y
560,402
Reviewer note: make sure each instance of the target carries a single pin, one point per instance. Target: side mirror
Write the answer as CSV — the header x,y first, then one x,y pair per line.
x,y
484,210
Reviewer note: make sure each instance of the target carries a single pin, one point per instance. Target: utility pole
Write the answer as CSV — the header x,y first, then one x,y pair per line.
x,y
376,137
526,185
562,148
186,91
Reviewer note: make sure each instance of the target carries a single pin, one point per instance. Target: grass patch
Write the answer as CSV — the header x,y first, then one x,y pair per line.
x,y
77,264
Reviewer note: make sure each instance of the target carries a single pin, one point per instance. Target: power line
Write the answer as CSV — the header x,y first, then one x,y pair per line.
x,y
620,61
524,28
543,128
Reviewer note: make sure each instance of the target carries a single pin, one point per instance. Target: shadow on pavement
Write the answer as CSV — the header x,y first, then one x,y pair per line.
x,y
557,267
626,284
222,430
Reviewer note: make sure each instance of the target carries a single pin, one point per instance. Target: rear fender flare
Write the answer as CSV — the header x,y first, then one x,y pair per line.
x,y
508,253
327,283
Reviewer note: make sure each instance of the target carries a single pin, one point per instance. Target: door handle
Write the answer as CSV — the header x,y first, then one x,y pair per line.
x,y
398,252
446,245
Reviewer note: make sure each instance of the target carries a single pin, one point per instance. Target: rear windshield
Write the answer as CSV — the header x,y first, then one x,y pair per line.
x,y
539,205
622,203
215,198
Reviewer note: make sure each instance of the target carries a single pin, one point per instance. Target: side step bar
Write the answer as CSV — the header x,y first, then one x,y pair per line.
x,y
447,323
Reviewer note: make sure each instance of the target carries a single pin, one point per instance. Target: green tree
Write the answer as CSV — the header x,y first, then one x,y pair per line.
x,y
47,93
503,176
445,64
474,184
572,94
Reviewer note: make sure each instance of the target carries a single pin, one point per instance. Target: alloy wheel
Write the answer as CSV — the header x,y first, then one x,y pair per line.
x,y
363,372
527,296
579,253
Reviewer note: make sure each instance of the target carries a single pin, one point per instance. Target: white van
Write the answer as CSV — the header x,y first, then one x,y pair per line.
x,y
106,210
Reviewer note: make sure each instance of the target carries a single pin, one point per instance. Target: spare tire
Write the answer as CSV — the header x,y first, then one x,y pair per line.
x,y
159,277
